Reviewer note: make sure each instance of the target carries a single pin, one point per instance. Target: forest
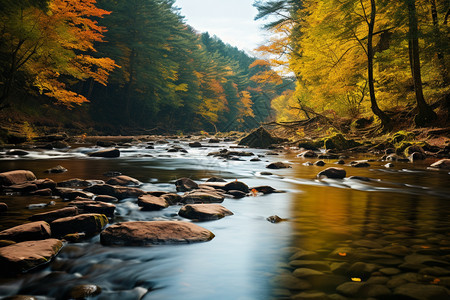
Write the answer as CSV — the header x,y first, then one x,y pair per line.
x,y
361,58
114,66
127,64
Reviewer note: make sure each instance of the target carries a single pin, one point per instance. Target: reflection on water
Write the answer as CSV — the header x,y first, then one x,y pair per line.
x,y
249,258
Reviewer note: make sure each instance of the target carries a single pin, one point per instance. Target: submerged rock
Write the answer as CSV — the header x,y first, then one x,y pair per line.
x,y
24,256
27,232
16,177
260,138
119,192
154,232
204,212
108,153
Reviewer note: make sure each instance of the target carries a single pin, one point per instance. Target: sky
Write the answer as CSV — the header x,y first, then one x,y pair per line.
x,y
230,20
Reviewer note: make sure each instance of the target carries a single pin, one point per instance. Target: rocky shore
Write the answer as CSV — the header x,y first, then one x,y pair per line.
x,y
386,265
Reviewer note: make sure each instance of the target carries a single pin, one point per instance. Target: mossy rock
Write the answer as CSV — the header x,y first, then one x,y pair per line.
x,y
401,136
311,145
414,147
339,142
361,123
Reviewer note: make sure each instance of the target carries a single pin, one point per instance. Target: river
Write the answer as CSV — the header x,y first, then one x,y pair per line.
x,y
334,221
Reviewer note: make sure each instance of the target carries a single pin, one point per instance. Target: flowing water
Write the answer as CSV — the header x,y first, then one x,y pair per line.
x,y
249,258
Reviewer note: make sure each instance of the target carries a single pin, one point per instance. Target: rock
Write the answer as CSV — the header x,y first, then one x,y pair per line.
x,y
266,173
154,232
22,188
308,164
16,177
27,232
319,163
275,219
83,291
237,186
340,162
17,152
350,289
278,165
310,295
360,178
305,273
106,209
149,202
106,198
304,254
290,282
204,212
392,157
50,216
57,169
389,165
265,189
441,164
70,194
416,156
43,192
195,145
185,184
24,256
213,141
172,198
360,164
119,192
105,144
3,207
339,142
236,194
44,183
123,181
109,153
362,270
202,196
307,154
334,173
90,224
77,183
260,138
421,291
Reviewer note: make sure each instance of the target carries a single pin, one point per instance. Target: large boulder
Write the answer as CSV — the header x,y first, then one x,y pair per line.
x,y
27,232
50,216
123,181
442,164
16,177
24,256
120,192
106,209
335,173
154,232
149,202
90,224
109,153
236,186
260,138
185,184
204,212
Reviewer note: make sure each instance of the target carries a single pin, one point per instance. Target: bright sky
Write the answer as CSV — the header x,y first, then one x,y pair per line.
x,y
230,20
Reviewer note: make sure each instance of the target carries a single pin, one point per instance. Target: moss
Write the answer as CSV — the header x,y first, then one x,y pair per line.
x,y
401,136
311,145
404,147
339,142
101,221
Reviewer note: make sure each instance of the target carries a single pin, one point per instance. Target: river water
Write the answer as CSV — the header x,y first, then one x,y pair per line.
x,y
249,258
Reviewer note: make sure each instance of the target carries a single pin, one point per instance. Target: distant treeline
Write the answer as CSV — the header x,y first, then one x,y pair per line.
x,y
133,64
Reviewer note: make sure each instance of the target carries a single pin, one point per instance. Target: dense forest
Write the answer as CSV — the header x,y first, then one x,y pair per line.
x,y
358,58
128,64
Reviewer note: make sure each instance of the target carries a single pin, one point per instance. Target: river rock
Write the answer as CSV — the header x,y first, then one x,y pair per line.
x,y
154,232
278,165
202,196
236,186
90,224
149,202
108,153
120,192
50,216
307,154
216,179
123,181
389,165
16,177
290,282
204,212
260,138
360,164
185,184
78,183
42,192
172,198
3,207
335,173
415,156
105,144
265,189
441,164
360,178
27,232
24,256
70,194
195,145
421,291
106,198
57,169
22,188
275,219
319,163
84,291
106,209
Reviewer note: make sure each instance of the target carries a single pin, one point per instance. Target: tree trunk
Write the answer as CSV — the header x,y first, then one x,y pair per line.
x,y
385,120
426,115
438,44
